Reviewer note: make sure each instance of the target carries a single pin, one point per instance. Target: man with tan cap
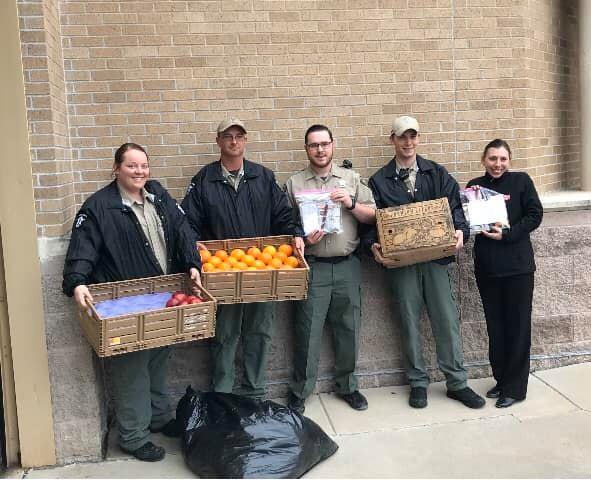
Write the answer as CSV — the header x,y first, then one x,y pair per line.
x,y
410,178
236,198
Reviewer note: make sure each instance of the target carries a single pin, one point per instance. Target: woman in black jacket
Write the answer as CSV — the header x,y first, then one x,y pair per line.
x,y
504,267
132,228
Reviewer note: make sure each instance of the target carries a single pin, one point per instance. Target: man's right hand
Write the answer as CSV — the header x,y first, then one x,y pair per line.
x,y
82,295
376,249
314,237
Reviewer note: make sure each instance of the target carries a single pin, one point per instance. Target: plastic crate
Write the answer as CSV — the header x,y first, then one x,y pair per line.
x,y
416,232
234,287
145,330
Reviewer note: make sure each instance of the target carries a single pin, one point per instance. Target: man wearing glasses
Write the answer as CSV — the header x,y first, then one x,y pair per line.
x,y
236,198
334,289
408,178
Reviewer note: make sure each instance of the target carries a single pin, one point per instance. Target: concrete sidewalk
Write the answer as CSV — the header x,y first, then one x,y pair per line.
x,y
546,436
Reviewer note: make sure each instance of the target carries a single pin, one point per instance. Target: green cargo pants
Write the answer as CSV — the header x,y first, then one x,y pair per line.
x,y
139,394
333,297
253,325
428,284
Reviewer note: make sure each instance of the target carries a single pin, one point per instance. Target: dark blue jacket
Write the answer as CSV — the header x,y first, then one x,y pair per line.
x,y
109,245
217,211
433,182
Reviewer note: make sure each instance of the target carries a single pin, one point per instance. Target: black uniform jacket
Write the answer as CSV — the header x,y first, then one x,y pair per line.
x,y
108,243
217,211
433,181
513,254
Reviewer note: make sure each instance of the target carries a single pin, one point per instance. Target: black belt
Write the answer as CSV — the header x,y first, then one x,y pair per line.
x,y
312,258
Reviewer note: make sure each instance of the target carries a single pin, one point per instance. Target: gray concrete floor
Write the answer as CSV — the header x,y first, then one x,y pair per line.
x,y
546,436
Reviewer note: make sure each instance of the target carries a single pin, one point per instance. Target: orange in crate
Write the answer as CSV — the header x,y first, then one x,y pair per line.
x,y
254,252
215,261
237,253
292,262
287,249
222,255
224,267
241,266
208,267
205,255
259,264
265,258
281,256
248,259
270,249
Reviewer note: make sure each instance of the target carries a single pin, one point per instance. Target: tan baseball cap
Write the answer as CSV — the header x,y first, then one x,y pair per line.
x,y
404,123
228,123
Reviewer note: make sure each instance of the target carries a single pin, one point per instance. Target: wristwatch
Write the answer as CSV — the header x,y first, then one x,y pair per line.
x,y
353,202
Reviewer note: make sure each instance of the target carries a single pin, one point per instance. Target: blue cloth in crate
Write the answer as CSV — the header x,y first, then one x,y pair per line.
x,y
132,304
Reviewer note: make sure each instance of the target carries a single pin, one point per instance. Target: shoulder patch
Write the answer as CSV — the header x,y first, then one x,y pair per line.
x,y
81,218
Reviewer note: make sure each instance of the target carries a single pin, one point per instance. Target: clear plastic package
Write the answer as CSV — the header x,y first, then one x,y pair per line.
x,y
318,211
483,208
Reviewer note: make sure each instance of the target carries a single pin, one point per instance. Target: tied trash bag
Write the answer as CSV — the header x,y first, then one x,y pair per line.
x,y
231,436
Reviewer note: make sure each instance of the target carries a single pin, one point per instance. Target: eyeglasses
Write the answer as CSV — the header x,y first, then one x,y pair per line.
x,y
230,137
323,145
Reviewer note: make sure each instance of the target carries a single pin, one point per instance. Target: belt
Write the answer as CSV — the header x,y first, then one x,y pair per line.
x,y
312,258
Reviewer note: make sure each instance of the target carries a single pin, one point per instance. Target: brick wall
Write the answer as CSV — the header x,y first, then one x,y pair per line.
x,y
47,114
163,73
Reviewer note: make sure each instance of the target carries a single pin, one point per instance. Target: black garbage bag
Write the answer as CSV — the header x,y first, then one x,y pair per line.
x,y
231,436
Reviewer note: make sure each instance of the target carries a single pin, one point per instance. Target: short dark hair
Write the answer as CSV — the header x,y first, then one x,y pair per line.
x,y
315,128
124,148
497,143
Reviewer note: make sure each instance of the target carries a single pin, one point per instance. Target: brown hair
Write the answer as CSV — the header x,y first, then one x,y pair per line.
x,y
496,143
123,149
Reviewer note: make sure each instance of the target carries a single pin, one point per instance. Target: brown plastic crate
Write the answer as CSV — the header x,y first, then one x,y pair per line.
x,y
145,330
261,285
417,232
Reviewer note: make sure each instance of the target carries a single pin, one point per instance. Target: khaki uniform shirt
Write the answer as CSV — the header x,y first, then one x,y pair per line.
x,y
150,222
334,244
412,176
233,179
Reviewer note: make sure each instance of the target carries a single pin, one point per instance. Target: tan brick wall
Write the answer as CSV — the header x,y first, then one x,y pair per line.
x,y
163,73
45,88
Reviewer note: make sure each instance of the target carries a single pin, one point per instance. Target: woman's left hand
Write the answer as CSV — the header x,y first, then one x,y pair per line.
x,y
196,278
496,233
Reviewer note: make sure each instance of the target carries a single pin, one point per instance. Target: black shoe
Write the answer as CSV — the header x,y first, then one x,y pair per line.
x,y
147,452
467,397
493,393
505,402
296,403
172,429
418,397
356,400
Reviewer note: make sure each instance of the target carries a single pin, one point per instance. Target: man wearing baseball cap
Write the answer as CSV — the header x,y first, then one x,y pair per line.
x,y
236,198
410,178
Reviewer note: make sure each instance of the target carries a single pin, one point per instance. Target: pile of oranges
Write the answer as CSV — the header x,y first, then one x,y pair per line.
x,y
269,258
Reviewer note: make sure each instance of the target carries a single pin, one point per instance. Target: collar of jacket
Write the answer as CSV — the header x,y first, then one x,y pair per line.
x,y
490,179
251,170
335,171
422,165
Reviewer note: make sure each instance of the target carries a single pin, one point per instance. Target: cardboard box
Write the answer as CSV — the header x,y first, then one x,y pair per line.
x,y
417,232
145,330
234,287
